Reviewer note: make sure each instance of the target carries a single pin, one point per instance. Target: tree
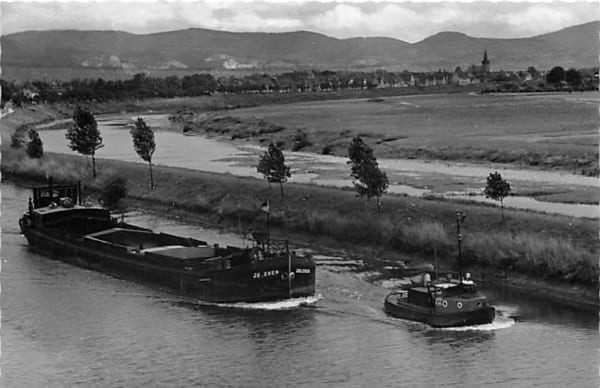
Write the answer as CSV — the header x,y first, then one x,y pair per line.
x,y
533,72
497,189
556,75
143,143
84,136
272,166
35,148
368,179
573,77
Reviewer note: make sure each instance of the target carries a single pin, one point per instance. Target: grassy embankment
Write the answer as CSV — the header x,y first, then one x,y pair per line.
x,y
555,131
549,132
553,248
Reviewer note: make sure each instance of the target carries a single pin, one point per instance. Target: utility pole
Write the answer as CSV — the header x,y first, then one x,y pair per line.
x,y
460,218
289,269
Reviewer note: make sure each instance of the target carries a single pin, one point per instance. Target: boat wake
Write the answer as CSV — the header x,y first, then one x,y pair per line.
x,y
285,304
497,324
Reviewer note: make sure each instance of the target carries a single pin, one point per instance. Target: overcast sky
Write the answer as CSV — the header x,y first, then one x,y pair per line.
x,y
408,21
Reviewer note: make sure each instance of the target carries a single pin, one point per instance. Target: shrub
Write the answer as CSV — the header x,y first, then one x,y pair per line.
x,y
17,140
327,149
35,148
112,193
300,140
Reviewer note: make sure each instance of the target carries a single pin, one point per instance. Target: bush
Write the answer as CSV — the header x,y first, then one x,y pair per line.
x,y
35,148
113,192
300,140
17,140
327,149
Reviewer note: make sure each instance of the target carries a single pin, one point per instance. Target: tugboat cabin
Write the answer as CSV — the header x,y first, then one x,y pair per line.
x,y
447,296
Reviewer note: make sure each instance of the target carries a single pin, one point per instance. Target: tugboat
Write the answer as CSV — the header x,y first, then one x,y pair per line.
x,y
443,302
58,224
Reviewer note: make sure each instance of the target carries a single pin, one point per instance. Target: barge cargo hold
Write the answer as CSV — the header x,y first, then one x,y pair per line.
x,y
58,225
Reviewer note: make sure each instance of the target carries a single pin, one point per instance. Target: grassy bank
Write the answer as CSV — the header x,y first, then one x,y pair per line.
x,y
546,131
548,247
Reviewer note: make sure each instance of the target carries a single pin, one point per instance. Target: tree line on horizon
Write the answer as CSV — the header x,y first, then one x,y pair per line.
x,y
141,86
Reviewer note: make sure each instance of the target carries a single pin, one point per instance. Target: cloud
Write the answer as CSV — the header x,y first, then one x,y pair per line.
x,y
342,17
528,20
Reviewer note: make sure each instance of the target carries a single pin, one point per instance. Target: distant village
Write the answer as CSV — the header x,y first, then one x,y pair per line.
x,y
481,78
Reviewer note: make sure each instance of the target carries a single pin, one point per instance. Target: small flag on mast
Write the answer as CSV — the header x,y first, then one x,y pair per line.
x,y
265,206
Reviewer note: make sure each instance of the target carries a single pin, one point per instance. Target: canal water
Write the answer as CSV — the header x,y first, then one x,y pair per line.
x,y
200,153
64,326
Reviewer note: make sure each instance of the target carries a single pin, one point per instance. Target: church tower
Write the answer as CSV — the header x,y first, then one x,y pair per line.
x,y
485,64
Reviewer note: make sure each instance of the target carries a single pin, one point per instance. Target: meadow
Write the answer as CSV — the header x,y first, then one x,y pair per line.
x,y
555,131
550,248
541,130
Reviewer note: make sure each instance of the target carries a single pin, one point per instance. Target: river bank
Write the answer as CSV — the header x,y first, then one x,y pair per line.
x,y
559,252
546,191
548,132
542,132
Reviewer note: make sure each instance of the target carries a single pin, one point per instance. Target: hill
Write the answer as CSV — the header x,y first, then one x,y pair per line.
x,y
113,54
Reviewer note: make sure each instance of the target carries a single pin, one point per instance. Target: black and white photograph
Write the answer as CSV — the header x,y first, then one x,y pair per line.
x,y
299,193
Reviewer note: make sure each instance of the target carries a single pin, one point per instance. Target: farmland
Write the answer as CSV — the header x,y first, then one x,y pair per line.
x,y
556,131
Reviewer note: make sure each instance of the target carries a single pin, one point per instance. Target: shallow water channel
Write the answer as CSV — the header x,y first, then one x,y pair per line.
x,y
67,326
201,153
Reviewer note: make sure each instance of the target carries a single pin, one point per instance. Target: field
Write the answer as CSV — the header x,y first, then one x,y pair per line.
x,y
542,130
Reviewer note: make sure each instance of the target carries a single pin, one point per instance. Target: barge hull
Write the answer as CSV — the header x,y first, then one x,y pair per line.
x,y
227,286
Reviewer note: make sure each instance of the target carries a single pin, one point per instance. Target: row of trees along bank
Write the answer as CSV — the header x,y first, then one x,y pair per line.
x,y
368,179
85,138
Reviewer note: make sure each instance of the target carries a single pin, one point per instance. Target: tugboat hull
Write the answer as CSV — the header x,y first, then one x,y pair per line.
x,y
434,318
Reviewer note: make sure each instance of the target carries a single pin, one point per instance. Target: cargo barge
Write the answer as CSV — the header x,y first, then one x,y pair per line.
x,y
59,225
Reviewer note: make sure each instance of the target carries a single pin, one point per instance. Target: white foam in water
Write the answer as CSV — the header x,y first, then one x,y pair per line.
x,y
497,324
335,260
393,283
285,304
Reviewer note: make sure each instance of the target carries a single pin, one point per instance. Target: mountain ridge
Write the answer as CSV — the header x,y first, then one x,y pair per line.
x,y
123,53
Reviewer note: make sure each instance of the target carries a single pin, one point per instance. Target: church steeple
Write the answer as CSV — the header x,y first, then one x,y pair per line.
x,y
485,64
